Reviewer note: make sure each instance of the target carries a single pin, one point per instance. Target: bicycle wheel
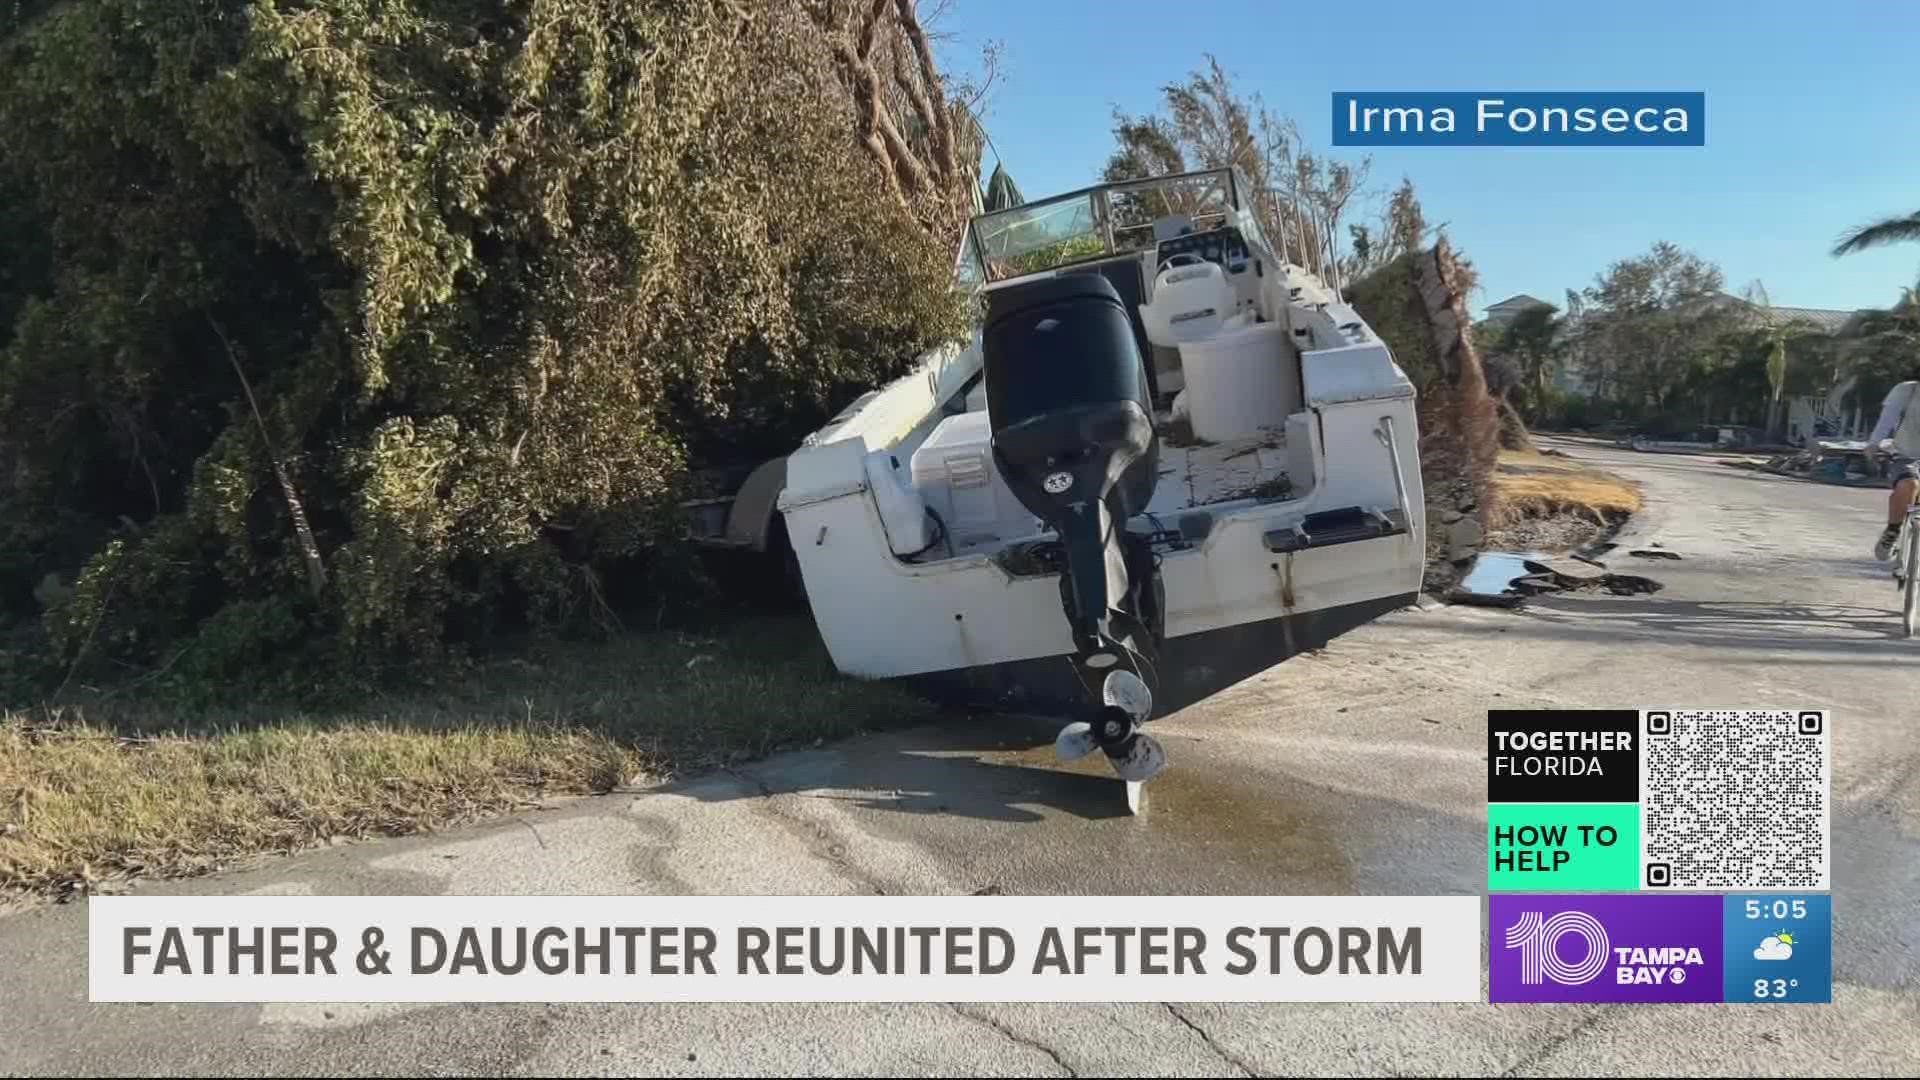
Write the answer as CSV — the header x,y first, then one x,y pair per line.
x,y
1911,608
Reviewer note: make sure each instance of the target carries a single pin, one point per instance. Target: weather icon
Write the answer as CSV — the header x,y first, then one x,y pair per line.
x,y
1776,947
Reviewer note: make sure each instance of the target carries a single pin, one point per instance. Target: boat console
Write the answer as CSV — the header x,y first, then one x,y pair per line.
x,y
1225,246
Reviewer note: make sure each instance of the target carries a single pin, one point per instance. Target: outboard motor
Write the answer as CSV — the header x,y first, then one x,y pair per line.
x,y
1073,435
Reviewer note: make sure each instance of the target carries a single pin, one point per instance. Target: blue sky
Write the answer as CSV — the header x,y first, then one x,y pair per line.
x,y
1813,120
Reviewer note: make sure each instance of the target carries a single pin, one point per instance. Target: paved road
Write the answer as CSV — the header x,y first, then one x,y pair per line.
x,y
1358,769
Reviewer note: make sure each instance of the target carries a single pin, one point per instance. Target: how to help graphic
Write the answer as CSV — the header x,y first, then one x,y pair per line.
x,y
1619,800
1609,834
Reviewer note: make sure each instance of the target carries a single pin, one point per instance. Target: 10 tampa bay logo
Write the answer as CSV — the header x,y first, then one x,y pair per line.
x,y
1539,941
1606,948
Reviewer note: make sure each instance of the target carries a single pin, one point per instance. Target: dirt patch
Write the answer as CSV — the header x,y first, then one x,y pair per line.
x,y
1273,488
1178,433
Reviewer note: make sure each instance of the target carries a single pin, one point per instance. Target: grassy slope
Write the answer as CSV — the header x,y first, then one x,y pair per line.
x,y
126,787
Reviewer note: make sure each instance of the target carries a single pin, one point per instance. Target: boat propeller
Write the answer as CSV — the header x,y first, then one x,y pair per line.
x,y
1135,756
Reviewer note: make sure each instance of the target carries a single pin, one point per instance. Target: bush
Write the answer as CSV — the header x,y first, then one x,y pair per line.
x,y
1559,409
453,288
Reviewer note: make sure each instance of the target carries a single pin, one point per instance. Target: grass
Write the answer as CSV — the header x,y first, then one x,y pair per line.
x,y
1537,485
114,789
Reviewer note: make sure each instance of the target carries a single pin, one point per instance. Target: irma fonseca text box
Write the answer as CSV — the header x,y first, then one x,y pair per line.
x,y
1496,118
793,948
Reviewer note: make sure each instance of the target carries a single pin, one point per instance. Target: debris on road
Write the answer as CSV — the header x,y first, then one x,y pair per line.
x,y
1828,462
1463,539
1571,573
1645,553
1506,579
1630,584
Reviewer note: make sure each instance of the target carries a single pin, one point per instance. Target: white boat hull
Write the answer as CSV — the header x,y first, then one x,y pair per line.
x,y
1253,571
881,617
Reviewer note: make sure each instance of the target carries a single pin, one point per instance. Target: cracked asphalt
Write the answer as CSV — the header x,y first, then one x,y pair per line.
x,y
1355,770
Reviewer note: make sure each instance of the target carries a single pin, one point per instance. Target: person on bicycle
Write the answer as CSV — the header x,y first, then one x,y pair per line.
x,y
1899,429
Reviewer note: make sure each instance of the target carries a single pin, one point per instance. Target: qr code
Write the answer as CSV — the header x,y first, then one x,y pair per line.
x,y
1734,799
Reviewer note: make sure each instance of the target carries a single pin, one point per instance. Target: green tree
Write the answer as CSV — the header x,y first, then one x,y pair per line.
x,y
1402,229
1647,322
1299,196
445,292
1364,251
1406,225
1532,340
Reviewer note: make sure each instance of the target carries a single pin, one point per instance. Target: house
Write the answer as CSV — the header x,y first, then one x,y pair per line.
x,y
1808,416
1568,374
1507,310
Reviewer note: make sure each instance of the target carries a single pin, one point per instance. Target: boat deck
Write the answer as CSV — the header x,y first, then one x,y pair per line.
x,y
1203,474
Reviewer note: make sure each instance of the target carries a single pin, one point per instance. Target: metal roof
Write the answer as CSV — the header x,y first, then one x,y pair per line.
x,y
1518,300
1826,320
1822,320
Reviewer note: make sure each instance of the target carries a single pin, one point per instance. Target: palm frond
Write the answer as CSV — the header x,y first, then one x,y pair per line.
x,y
1894,230
1002,193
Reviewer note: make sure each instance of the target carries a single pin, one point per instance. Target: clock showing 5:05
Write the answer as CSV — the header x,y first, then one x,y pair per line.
x,y
1779,948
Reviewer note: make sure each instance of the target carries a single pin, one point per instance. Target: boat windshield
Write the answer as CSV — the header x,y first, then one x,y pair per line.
x,y
1098,222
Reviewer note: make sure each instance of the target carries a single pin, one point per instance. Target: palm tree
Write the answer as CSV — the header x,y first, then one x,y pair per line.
x,y
1002,192
1886,347
1893,230
1531,338
1778,333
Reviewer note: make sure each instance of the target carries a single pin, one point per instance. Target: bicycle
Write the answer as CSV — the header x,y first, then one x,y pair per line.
x,y
1906,553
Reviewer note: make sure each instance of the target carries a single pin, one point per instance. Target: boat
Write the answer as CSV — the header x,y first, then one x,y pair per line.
x,y
1167,458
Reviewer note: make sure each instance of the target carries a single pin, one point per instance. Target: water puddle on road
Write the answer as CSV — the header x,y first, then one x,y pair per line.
x,y
1195,810
1042,757
1493,572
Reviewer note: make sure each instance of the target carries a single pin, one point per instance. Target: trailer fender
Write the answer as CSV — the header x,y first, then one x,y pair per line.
x,y
750,522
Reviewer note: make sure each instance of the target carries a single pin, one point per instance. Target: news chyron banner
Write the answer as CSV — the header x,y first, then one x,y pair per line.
x,y
783,948
1659,855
